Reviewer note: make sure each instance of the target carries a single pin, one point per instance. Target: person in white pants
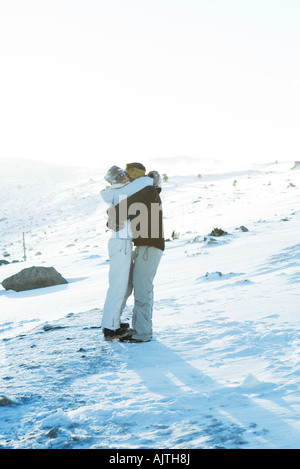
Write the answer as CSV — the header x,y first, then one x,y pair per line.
x,y
120,252
149,246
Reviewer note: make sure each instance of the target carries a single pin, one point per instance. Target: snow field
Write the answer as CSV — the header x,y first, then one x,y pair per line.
x,y
222,370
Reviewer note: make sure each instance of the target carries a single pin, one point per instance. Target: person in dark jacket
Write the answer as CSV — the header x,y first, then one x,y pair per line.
x,y
120,248
144,210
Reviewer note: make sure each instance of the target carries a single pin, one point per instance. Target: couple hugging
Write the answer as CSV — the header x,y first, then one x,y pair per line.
x,y
135,218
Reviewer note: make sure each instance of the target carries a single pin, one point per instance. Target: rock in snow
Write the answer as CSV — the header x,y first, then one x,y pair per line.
x,y
33,277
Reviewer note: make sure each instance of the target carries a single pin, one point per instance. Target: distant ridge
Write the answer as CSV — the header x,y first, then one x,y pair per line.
x,y
24,170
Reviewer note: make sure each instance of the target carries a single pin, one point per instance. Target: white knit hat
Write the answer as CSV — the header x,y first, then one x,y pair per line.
x,y
115,175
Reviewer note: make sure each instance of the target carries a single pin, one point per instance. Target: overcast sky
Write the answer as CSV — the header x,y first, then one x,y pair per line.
x,y
89,81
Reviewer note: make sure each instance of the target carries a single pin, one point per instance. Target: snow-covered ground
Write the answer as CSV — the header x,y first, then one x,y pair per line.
x,y
222,370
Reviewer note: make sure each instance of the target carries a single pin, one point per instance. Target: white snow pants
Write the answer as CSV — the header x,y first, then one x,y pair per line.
x,y
120,252
145,263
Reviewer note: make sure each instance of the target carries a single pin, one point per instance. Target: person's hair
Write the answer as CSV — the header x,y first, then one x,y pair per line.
x,y
135,165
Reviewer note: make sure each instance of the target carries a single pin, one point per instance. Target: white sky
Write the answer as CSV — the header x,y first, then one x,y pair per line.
x,y
93,81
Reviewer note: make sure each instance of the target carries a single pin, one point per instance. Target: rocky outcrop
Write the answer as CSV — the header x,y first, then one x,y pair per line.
x,y
296,165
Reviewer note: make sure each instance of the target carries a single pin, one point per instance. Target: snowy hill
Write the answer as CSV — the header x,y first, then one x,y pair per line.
x,y
222,370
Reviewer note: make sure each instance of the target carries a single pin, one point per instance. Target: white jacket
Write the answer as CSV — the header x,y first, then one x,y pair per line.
x,y
115,193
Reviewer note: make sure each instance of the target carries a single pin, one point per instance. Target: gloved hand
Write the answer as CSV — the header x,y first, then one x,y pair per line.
x,y
157,178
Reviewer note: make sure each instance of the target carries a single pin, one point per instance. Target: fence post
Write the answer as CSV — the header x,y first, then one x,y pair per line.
x,y
24,246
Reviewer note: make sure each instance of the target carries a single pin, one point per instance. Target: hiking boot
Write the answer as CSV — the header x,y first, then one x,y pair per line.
x,y
124,325
117,334
132,340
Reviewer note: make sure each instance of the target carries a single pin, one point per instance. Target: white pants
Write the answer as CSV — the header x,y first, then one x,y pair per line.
x,y
120,252
145,263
